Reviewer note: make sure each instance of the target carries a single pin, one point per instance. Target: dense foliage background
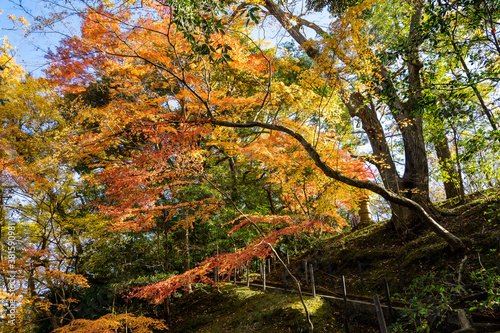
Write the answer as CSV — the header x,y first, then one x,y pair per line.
x,y
163,146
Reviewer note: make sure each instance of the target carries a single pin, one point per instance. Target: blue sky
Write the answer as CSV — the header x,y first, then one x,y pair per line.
x,y
30,50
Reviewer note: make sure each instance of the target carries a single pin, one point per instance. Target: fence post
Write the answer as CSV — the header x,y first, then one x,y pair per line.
x,y
344,294
313,286
248,276
380,314
389,304
263,276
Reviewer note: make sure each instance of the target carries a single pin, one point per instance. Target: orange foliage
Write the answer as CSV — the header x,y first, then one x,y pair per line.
x,y
260,247
157,90
305,189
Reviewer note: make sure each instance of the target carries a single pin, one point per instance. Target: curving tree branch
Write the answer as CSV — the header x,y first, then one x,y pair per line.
x,y
454,242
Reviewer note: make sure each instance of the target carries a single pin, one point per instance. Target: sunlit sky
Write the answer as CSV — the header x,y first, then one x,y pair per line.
x,y
31,50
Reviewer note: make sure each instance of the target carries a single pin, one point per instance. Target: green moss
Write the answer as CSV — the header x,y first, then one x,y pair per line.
x,y
240,309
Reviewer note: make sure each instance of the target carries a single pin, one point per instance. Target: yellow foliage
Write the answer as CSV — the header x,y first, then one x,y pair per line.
x,y
112,323
21,20
345,50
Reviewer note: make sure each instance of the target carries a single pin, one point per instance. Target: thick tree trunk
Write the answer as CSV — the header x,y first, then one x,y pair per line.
x,y
452,186
359,107
415,182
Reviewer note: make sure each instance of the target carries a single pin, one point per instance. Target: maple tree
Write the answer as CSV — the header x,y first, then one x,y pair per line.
x,y
355,56
303,190
114,323
149,120
416,179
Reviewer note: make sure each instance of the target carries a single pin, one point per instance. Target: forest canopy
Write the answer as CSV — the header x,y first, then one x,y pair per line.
x,y
164,146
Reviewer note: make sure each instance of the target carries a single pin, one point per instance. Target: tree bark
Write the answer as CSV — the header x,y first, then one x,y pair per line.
x,y
414,184
452,186
271,203
359,107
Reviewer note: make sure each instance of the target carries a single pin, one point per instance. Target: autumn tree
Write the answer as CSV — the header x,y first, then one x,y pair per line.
x,y
42,231
200,142
350,49
50,226
114,323
150,108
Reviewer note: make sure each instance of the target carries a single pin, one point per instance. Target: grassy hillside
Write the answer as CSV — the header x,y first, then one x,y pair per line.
x,y
423,275
240,309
